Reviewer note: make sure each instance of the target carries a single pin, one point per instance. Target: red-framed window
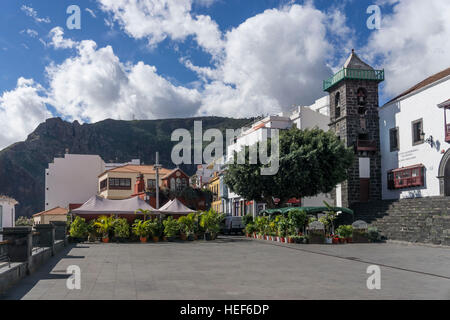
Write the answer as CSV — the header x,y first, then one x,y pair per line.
x,y
408,177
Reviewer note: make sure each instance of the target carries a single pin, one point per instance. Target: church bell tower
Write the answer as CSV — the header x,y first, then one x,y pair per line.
x,y
354,118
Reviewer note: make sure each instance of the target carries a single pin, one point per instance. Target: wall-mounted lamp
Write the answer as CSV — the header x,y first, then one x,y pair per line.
x,y
430,141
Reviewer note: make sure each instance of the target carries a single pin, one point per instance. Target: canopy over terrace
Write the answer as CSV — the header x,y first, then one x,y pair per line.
x,y
96,206
175,207
308,210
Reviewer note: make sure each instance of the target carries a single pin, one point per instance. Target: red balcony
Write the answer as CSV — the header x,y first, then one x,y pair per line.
x,y
446,106
447,133
408,177
366,145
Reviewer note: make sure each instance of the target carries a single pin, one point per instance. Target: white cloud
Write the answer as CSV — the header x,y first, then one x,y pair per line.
x,y
29,11
413,42
267,64
21,110
272,61
158,19
205,3
94,85
30,32
58,41
91,12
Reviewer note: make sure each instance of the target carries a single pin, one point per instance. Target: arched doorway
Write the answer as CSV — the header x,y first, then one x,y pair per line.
x,y
444,175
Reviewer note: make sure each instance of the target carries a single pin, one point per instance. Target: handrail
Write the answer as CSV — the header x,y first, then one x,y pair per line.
x,y
357,74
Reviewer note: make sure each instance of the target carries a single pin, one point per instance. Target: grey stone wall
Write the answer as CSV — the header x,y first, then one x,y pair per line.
x,y
425,220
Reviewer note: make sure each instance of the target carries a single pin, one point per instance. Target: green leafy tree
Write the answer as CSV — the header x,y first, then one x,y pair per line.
x,y
78,228
311,161
24,222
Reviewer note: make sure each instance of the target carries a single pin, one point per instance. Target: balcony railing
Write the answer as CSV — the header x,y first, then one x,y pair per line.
x,y
366,145
356,74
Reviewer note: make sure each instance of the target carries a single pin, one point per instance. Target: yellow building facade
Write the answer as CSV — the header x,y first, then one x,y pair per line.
x,y
214,187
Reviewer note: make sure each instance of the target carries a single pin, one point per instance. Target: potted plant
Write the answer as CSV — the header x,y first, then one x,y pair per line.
x,y
210,222
141,229
345,231
155,229
373,234
78,229
249,229
187,226
171,228
283,225
92,231
121,230
105,225
182,224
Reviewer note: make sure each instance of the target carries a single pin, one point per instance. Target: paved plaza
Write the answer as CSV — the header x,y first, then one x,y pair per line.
x,y
240,268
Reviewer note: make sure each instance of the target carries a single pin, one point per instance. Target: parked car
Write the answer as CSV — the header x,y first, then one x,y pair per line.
x,y
233,225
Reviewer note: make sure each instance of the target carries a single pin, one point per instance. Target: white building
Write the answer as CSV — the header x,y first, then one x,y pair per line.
x,y
304,117
205,173
414,138
7,213
74,179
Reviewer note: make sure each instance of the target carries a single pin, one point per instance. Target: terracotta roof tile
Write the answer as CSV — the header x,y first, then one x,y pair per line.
x,y
144,169
424,83
54,211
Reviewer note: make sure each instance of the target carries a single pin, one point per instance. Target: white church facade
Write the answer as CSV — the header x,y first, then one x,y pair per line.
x,y
415,140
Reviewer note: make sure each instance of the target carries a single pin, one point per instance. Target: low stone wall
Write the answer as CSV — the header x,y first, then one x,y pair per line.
x,y
425,220
18,270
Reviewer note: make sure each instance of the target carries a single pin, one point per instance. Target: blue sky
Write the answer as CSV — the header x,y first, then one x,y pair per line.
x,y
16,60
164,58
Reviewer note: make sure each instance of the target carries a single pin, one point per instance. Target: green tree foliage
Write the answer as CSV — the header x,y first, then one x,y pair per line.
x,y
121,228
78,228
24,222
312,161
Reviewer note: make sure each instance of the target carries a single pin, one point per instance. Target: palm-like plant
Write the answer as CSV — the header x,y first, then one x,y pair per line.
x,y
145,213
210,221
141,228
104,225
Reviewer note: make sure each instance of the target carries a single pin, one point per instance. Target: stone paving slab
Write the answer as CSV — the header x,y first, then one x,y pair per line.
x,y
234,268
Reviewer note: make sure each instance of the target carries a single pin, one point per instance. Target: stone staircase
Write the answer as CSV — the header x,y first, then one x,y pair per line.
x,y
424,220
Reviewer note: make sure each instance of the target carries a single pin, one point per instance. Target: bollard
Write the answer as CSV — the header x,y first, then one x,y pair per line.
x,y
46,236
19,243
60,229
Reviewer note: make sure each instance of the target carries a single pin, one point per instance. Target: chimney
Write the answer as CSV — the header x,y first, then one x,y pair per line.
x,y
139,187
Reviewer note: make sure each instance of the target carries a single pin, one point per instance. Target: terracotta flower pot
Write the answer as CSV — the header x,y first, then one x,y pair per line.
x,y
143,239
155,239
335,240
105,240
291,240
183,236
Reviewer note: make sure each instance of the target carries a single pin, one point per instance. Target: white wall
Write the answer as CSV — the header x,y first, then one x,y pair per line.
x,y
72,179
421,105
7,213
